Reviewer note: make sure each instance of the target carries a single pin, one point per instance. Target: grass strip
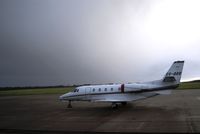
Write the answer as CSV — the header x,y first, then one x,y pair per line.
x,y
16,92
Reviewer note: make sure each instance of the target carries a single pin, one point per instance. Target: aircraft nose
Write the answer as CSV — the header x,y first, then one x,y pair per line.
x,y
64,97
61,98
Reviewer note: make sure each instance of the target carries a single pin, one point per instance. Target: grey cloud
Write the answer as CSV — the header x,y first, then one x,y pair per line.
x,y
77,42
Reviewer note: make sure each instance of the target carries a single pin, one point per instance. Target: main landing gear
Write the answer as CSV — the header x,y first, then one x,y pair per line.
x,y
69,104
115,105
124,103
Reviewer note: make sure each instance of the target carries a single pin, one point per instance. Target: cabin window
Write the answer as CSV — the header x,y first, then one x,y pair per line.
x,y
99,89
111,89
93,89
105,89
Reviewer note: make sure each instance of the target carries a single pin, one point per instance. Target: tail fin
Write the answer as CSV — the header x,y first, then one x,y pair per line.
x,y
174,73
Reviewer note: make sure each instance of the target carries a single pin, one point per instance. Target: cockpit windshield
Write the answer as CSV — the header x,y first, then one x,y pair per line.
x,y
76,90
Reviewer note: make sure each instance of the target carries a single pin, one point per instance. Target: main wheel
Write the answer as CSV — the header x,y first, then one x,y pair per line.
x,y
114,105
124,103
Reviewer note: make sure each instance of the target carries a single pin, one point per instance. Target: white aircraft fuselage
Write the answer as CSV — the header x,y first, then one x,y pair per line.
x,y
122,93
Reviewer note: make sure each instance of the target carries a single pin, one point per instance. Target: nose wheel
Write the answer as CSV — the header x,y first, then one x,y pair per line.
x,y
69,104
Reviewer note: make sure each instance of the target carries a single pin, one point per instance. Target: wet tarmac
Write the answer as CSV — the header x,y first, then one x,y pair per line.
x,y
178,112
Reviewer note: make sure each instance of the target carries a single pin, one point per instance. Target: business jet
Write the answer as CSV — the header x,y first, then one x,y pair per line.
x,y
123,93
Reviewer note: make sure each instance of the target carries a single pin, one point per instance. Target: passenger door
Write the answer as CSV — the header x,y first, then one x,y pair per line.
x,y
87,93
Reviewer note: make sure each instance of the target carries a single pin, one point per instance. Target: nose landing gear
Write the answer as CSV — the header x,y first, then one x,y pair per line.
x,y
69,104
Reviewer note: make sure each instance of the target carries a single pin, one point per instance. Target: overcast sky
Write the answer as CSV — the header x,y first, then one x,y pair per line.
x,y
60,42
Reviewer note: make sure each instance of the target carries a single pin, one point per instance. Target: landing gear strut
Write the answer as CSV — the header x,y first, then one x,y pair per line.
x,y
69,104
124,103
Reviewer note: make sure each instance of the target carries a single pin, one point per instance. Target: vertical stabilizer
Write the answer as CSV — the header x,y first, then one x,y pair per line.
x,y
174,73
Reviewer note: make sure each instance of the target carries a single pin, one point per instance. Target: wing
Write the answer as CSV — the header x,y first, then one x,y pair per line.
x,y
163,92
122,97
